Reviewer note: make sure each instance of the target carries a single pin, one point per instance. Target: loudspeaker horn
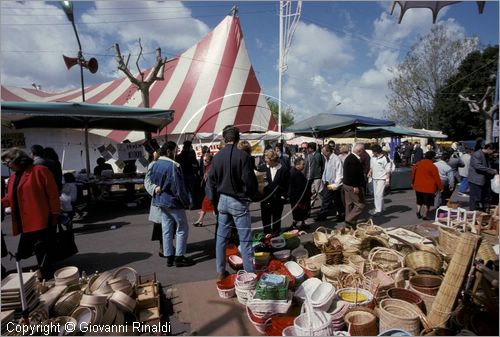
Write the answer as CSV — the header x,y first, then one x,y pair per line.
x,y
91,64
70,61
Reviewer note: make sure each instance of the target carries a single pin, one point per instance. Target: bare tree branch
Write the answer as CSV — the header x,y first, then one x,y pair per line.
x,y
137,61
122,66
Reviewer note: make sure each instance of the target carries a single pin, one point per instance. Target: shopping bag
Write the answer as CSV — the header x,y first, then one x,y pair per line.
x,y
495,184
63,242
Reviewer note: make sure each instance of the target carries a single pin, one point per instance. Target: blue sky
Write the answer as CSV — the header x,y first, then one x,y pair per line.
x,y
341,53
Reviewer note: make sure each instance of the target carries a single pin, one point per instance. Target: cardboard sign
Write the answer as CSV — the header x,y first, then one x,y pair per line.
x,y
130,151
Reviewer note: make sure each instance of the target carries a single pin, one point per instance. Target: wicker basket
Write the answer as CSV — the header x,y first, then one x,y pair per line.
x,y
448,240
402,277
245,280
320,237
368,229
336,271
422,261
226,287
385,259
356,297
361,322
259,321
377,282
408,296
486,253
428,299
427,284
348,252
357,262
334,258
370,242
313,322
398,314
314,263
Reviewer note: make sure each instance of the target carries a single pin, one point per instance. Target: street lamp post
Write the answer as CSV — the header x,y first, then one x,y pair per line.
x,y
68,9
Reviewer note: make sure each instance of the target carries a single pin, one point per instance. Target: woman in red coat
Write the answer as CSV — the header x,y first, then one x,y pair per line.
x,y
33,197
426,182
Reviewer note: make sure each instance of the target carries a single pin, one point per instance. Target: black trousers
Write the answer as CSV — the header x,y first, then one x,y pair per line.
x,y
479,194
38,243
329,197
271,211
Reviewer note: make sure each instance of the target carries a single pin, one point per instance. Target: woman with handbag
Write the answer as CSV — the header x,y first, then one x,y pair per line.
x,y
206,205
33,197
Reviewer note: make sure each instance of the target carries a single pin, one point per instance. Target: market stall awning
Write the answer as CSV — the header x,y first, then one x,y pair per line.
x,y
326,124
389,131
74,115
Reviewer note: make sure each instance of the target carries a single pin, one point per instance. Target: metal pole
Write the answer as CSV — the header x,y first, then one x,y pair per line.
x,y
280,65
87,155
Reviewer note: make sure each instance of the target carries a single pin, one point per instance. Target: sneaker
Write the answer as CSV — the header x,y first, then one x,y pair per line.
x,y
418,215
170,260
221,276
372,212
182,261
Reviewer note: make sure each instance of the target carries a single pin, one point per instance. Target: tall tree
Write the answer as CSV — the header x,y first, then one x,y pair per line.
x,y
287,118
432,60
465,104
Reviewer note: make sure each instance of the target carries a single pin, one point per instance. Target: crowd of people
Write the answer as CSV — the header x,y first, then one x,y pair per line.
x,y
338,177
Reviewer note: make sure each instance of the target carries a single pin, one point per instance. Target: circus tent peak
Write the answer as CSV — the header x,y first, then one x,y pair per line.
x,y
209,86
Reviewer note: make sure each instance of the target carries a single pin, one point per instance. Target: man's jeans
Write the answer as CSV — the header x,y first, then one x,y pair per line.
x,y
233,211
170,217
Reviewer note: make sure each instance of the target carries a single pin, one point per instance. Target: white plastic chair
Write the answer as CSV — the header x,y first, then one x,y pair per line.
x,y
452,214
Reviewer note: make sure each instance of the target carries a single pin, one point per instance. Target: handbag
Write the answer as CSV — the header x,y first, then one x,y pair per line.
x,y
64,244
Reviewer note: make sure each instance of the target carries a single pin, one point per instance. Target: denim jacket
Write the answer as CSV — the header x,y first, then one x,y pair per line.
x,y
167,174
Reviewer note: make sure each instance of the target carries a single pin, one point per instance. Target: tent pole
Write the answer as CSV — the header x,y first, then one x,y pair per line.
x,y
87,156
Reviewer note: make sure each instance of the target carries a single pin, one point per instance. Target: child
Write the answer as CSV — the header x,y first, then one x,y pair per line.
x,y
69,194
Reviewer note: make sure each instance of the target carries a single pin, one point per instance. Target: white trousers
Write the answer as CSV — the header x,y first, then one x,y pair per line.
x,y
378,194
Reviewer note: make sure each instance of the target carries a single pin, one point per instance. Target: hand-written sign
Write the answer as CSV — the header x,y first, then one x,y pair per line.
x,y
130,151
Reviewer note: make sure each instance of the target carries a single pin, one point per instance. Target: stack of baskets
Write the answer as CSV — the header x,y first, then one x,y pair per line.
x,y
312,322
226,287
329,245
323,296
313,264
398,314
336,274
244,283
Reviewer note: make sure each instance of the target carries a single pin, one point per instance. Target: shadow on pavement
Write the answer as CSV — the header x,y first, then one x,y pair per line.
x,y
233,312
91,262
99,227
202,250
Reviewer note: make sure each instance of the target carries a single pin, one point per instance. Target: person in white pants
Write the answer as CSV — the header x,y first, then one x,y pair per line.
x,y
380,170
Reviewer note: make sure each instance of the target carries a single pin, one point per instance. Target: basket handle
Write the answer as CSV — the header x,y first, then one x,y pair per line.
x,y
399,271
321,229
376,250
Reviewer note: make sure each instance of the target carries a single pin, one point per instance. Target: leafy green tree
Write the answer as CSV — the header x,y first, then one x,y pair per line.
x,y
464,105
287,118
429,63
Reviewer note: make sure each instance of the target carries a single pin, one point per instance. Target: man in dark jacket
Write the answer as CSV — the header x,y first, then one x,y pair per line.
x,y
38,159
233,184
480,174
190,170
354,185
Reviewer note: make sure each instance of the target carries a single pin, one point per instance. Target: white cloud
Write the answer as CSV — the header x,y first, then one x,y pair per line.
x,y
42,63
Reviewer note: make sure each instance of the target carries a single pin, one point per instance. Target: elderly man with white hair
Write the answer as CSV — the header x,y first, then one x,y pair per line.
x,y
354,185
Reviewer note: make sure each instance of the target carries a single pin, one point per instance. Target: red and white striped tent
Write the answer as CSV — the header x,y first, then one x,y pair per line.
x,y
209,86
